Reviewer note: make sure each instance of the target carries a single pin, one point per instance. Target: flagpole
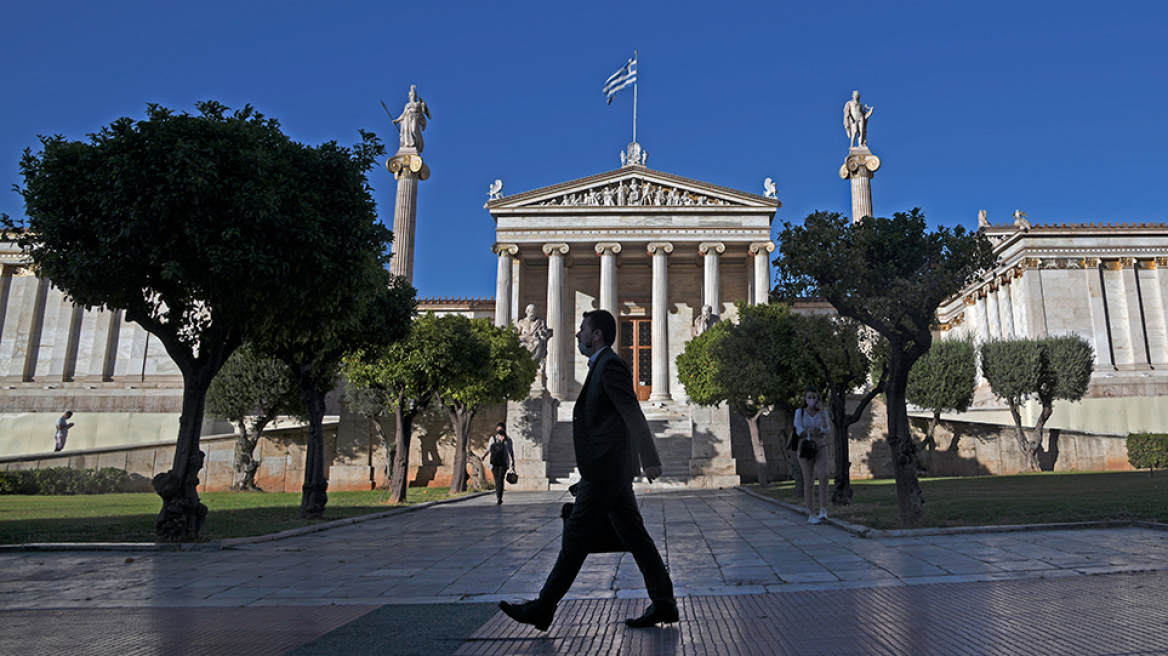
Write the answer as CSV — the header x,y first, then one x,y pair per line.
x,y
636,59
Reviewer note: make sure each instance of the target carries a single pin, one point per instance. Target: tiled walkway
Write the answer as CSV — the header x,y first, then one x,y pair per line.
x,y
735,560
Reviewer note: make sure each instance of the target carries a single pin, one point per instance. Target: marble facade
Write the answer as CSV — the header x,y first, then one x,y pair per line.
x,y
652,248
1106,283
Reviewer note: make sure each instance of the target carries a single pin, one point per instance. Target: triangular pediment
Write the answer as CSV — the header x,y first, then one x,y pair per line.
x,y
632,186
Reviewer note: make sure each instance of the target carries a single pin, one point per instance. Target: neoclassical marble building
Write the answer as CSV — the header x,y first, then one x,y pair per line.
x,y
1107,283
653,249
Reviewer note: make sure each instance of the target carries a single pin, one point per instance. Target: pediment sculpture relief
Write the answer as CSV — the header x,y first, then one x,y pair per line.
x,y
631,193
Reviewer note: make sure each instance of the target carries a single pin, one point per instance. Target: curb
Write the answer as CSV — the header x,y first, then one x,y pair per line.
x,y
218,545
866,532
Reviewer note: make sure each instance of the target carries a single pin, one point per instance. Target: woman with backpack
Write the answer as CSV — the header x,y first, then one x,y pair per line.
x,y
502,458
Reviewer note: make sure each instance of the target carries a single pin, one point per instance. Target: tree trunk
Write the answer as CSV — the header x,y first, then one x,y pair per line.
x,y
403,425
760,458
389,450
314,494
909,500
460,419
478,473
182,514
1035,442
841,493
245,463
1019,432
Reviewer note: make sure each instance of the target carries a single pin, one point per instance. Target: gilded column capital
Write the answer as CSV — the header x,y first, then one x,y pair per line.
x,y
760,246
609,247
1160,262
505,249
1114,265
1031,263
716,246
970,300
662,247
1127,262
555,249
405,164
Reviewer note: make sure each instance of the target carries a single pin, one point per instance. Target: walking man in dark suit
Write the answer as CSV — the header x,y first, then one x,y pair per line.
x,y
609,432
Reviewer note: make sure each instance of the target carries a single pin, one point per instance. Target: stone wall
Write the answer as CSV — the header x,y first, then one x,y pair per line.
x,y
964,448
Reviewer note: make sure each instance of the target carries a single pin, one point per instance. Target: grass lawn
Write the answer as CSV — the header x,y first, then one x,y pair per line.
x,y
130,517
1043,498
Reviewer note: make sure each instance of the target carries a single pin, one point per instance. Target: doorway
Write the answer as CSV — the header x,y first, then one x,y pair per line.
x,y
636,347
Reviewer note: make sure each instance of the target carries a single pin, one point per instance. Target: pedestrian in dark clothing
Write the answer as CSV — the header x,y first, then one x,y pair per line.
x,y
612,441
502,457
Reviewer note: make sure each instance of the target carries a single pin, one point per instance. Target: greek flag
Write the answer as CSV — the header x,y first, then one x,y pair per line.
x,y
622,78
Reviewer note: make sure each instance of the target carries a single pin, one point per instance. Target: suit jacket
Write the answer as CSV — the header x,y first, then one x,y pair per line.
x,y
609,430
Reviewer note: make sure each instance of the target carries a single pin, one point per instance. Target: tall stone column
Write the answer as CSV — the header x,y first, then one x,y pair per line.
x,y
1159,292
503,283
407,168
761,252
994,321
660,252
859,167
1129,275
607,253
711,287
1006,307
557,382
1104,356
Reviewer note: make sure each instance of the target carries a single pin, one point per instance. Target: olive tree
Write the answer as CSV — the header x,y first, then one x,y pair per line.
x,y
1050,369
943,380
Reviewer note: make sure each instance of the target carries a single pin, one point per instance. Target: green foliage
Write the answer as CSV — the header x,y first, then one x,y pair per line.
x,y
1148,450
475,363
251,385
754,363
944,378
63,481
1051,368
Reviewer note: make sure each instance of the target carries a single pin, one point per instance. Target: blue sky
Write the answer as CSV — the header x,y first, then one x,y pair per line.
x,y
1056,108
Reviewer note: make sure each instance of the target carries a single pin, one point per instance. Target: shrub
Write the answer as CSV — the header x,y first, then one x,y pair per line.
x,y
1148,450
63,481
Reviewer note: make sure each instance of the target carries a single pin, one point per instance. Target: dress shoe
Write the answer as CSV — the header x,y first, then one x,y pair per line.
x,y
659,612
531,612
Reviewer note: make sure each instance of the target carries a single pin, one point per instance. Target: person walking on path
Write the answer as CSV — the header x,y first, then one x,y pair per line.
x,y
63,426
609,432
502,454
811,423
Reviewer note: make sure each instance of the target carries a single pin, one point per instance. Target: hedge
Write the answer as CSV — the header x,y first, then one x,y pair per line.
x,y
62,480
1148,450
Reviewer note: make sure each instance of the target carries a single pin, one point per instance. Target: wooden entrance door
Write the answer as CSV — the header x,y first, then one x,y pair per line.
x,y
636,347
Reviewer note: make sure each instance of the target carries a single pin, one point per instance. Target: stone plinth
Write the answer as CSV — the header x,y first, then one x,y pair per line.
x,y
712,464
530,423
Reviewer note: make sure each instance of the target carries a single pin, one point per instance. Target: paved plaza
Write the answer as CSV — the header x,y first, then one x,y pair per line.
x,y
752,577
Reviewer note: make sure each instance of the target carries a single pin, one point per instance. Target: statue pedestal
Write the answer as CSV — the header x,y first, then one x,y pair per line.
x,y
530,423
712,463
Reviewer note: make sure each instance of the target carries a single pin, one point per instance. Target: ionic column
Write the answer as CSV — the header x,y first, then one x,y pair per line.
x,y
979,312
607,253
859,167
503,283
1005,308
1030,290
761,251
1104,356
407,168
660,252
1129,275
1159,291
994,320
557,383
711,288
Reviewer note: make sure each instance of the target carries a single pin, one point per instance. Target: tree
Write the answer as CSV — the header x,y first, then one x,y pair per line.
x,y
369,309
841,348
204,230
943,380
400,375
252,392
492,367
890,275
1050,368
754,364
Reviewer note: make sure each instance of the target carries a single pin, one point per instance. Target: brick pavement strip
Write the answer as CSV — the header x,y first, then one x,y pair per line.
x,y
1086,616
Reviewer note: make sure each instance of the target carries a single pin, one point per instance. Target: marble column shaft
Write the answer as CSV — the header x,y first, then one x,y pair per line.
x,y
761,252
404,218
1104,357
993,319
711,287
660,368
608,296
503,283
557,383
1129,274
1006,309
